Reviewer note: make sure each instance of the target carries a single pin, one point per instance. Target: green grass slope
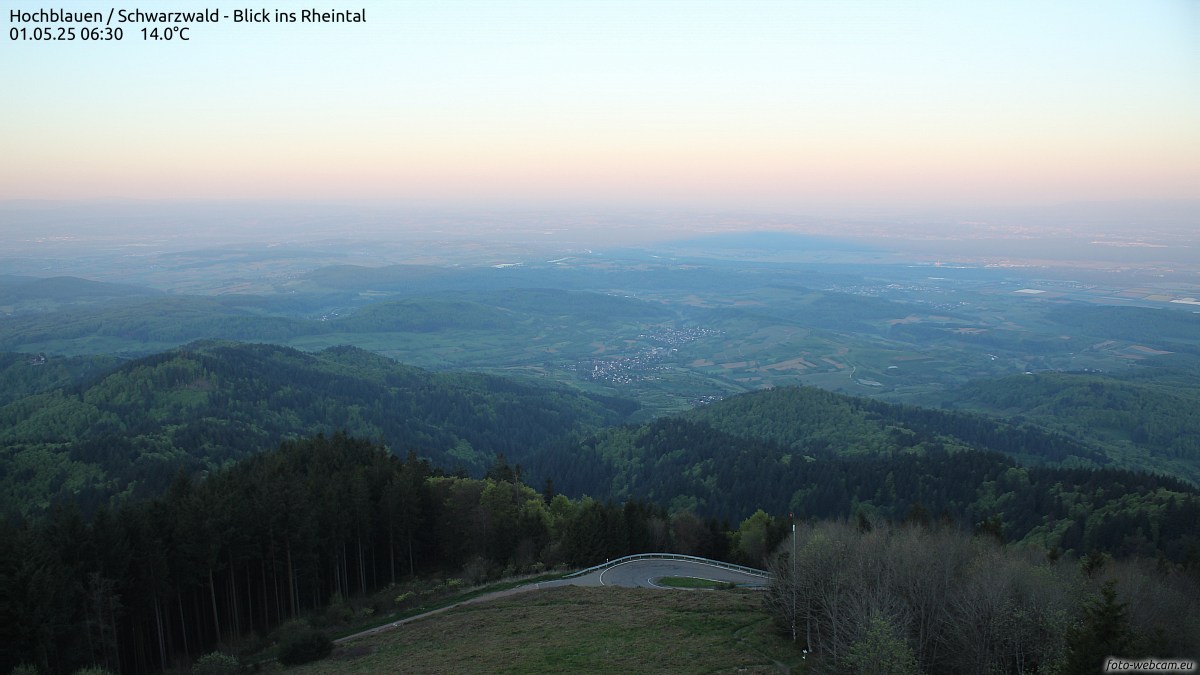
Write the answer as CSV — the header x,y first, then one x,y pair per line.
x,y
579,630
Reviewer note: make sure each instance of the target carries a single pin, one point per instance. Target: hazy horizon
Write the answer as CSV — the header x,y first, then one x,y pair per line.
x,y
1155,237
823,109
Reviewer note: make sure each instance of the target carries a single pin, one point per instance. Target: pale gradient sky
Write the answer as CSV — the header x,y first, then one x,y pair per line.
x,y
748,104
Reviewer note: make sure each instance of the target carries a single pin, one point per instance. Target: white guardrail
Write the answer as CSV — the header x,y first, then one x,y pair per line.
x,y
670,556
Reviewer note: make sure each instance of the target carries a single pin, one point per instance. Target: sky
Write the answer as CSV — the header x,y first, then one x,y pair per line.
x,y
760,104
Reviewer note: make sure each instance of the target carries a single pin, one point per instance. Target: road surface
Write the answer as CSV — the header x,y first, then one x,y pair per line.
x,y
631,574
645,574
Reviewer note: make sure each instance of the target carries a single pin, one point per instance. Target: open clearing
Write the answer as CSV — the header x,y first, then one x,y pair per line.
x,y
574,629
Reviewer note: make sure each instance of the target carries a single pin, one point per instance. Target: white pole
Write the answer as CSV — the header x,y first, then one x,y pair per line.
x,y
793,576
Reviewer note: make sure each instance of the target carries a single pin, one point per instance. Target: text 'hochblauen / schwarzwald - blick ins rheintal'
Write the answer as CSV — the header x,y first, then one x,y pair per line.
x,y
64,25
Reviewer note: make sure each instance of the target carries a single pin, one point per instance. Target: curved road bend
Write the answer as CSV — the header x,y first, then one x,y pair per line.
x,y
631,574
645,574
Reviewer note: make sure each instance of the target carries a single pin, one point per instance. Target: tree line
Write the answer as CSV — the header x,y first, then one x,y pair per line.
x,y
1149,409
277,536
871,597
908,472
292,532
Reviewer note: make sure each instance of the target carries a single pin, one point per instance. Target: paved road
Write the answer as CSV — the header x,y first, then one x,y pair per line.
x,y
631,574
645,574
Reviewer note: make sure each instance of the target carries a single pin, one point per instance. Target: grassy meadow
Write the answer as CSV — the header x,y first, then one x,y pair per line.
x,y
574,629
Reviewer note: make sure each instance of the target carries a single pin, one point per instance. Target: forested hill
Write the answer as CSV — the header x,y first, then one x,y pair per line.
x,y
35,294
825,455
140,324
323,529
1145,418
808,420
130,430
25,374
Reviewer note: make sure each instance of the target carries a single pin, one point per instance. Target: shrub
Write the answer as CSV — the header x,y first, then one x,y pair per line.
x,y
339,611
215,663
303,646
881,651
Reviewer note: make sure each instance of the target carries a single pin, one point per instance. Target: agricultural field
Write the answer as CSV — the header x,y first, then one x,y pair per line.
x,y
669,334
